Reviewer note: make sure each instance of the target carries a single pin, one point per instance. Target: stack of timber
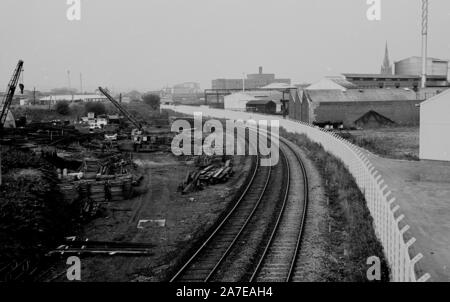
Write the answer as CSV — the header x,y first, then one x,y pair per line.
x,y
212,174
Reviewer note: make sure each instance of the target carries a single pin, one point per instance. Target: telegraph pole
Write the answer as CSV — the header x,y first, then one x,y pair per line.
x,y
81,83
424,42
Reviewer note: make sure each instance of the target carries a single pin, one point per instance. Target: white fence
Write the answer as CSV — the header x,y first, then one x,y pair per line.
x,y
379,200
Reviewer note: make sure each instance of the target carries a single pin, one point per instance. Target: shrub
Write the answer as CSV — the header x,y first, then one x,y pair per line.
x,y
95,107
62,108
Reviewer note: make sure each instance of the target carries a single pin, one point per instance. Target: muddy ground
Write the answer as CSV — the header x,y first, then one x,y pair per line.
x,y
187,218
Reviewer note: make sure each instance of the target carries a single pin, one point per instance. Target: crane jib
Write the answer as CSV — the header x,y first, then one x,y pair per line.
x,y
7,100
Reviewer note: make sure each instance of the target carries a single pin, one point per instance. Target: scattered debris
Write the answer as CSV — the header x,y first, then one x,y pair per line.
x,y
210,175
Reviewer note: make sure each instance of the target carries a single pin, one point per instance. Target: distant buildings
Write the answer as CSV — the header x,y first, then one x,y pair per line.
x,y
252,81
356,107
53,99
407,74
413,66
238,101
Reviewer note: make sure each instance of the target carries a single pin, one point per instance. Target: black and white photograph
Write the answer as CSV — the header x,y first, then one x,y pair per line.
x,y
224,148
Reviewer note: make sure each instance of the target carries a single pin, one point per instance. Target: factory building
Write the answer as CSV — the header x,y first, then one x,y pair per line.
x,y
238,101
413,66
356,107
252,81
332,83
262,106
435,128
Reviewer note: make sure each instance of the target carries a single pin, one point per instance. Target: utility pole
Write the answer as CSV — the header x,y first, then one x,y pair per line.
x,y
424,42
81,83
68,80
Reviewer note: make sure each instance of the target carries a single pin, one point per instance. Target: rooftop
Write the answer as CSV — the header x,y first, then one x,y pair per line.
x,y
361,95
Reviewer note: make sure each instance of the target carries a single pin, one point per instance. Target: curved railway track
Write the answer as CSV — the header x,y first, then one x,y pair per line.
x,y
280,250
277,263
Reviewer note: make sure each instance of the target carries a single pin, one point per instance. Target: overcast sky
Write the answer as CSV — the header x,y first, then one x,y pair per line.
x,y
147,44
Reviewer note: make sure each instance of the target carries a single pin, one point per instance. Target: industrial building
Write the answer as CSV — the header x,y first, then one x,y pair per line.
x,y
53,99
407,75
356,107
238,101
435,128
413,66
332,83
252,81
262,106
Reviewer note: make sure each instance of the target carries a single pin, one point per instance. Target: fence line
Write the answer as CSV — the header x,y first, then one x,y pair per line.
x,y
380,202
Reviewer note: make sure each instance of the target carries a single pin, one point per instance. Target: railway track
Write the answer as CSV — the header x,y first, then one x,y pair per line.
x,y
278,260
205,261
280,250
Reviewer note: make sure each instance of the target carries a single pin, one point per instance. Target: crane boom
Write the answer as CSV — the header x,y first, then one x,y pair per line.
x,y
121,109
7,100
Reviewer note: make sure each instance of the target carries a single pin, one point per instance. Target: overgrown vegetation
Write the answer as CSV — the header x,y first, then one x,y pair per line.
x,y
62,108
392,142
351,238
96,107
152,100
33,217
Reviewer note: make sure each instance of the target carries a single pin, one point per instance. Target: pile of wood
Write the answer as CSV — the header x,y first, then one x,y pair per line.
x,y
212,174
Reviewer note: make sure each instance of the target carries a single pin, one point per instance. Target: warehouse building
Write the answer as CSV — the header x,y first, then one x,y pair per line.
x,y
435,128
332,83
238,101
356,107
262,106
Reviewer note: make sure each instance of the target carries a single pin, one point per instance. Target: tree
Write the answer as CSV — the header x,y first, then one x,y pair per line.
x,y
63,90
62,108
152,100
95,107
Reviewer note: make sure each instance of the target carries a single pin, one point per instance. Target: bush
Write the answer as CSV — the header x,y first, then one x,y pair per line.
x,y
95,107
62,108
152,100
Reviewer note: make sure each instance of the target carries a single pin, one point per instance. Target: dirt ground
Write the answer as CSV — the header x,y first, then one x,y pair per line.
x,y
187,218
393,142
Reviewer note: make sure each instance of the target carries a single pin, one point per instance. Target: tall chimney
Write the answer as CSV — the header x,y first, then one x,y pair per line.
x,y
260,70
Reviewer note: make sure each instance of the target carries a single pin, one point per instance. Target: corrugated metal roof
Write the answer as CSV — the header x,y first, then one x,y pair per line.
x,y
332,83
259,102
361,95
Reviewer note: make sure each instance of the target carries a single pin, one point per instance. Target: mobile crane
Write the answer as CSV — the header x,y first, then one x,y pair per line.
x,y
136,134
143,139
7,100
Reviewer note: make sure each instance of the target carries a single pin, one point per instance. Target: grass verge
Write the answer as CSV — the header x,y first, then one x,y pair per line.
x,y
351,238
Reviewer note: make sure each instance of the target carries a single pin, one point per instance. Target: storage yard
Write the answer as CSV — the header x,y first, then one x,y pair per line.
x,y
224,143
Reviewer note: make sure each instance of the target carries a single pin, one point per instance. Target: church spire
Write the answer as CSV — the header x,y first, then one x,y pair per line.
x,y
386,67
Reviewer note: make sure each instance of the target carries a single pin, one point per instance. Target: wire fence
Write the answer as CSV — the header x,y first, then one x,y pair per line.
x,y
385,212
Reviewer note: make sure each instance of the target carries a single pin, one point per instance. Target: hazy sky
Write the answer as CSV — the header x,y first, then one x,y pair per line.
x,y
147,44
